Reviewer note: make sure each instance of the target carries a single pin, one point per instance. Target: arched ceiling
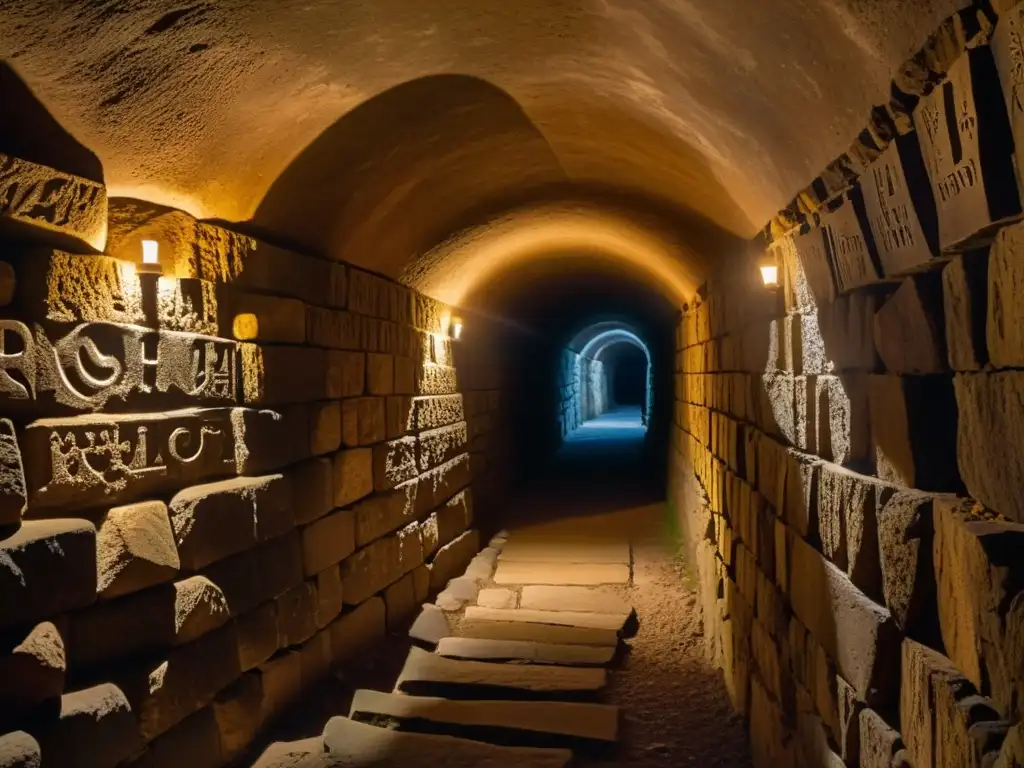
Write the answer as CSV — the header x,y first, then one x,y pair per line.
x,y
322,123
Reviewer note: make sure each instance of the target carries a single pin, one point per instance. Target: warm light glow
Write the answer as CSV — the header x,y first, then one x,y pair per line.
x,y
446,322
456,328
150,252
770,275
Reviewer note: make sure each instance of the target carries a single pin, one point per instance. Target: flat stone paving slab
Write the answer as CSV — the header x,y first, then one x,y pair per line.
x,y
526,550
544,598
614,622
428,674
497,598
477,649
352,744
510,723
430,626
572,574
537,633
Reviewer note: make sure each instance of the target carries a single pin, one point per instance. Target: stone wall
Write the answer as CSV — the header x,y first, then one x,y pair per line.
x,y
582,390
848,451
215,485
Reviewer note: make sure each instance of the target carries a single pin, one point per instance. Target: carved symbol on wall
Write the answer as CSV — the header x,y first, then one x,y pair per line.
x,y
17,354
88,458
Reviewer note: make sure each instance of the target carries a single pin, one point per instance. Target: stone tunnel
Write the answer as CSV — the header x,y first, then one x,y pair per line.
x,y
592,382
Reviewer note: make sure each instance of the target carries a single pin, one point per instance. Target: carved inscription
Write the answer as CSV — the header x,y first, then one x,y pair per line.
x,y
892,215
96,459
59,202
99,362
848,248
13,496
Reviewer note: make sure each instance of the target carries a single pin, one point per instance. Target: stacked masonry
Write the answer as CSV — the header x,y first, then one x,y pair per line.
x,y
849,453
213,487
582,388
511,683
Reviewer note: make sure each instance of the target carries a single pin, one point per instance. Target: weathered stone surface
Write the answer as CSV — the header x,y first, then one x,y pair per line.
x,y
405,375
13,493
237,712
50,568
255,317
135,549
71,210
328,541
840,426
480,649
272,375
430,626
257,635
400,602
551,634
353,475
34,670
437,446
427,673
879,743
978,572
398,416
19,750
316,659
905,544
858,634
305,753
312,490
164,693
910,327
95,729
328,592
816,270
458,592
296,615
346,374
500,598
380,374
395,462
577,550
382,514
610,621
194,742
282,682
573,574
965,303
800,497
452,558
353,743
266,441
215,520
437,380
989,441
913,423
770,743
259,574
371,569
357,630
199,607
364,421
1005,325
324,427
441,484
332,329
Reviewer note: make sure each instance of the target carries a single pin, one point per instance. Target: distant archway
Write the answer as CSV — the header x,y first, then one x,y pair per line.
x,y
593,379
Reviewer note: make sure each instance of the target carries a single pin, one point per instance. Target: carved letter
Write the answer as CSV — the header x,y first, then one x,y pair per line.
x,y
23,360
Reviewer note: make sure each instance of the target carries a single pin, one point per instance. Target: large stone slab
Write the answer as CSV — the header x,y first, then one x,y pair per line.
x,y
381,514
1005,319
430,626
19,750
13,494
350,743
614,622
965,305
540,633
49,567
480,649
437,446
95,728
427,673
510,723
358,630
432,411
879,742
571,574
910,327
452,558
521,549
905,535
135,549
34,670
559,598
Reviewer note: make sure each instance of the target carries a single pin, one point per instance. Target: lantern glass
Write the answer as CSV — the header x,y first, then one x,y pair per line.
x,y
150,252
770,275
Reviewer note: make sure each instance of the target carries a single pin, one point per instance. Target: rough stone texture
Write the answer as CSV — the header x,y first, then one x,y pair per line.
x,y
296,615
13,493
199,607
257,635
905,543
364,420
371,569
328,541
259,574
353,475
135,549
34,670
19,750
989,444
346,374
878,741
324,428
356,630
380,374
215,520
237,712
282,682
436,446
49,568
909,327
964,291
452,558
394,462
255,317
431,625
1005,325
95,729
312,490
400,602
382,514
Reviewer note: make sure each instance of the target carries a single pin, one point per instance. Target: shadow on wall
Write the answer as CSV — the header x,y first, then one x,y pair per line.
x,y
392,177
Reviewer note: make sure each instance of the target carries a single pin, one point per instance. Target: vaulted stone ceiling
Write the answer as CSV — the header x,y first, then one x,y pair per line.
x,y
374,130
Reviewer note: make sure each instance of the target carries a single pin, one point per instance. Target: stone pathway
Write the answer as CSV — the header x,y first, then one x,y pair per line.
x,y
512,673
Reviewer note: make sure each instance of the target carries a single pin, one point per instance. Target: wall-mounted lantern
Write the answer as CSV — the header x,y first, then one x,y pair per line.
x,y
455,328
150,258
769,268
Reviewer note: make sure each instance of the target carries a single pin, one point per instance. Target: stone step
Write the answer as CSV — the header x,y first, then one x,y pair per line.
x,y
520,550
537,633
356,744
427,674
560,618
543,598
508,723
571,574
475,649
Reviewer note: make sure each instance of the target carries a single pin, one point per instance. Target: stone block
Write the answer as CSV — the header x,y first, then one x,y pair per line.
x,y
770,744
364,421
913,424
452,558
437,379
51,568
273,375
95,729
272,270
800,507
259,574
905,545
978,573
405,376
325,427
215,520
848,527
437,446
778,406
848,736
334,329
19,750
353,475
782,536
266,441
910,327
965,304
395,462
383,513
346,374
281,678
371,569
13,492
296,614
329,596
328,541
858,634
400,602
772,461
199,607
421,583
399,414
257,635
879,742
316,659
357,630
380,374
255,317
194,742
34,670
813,281
165,692
135,549
312,490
